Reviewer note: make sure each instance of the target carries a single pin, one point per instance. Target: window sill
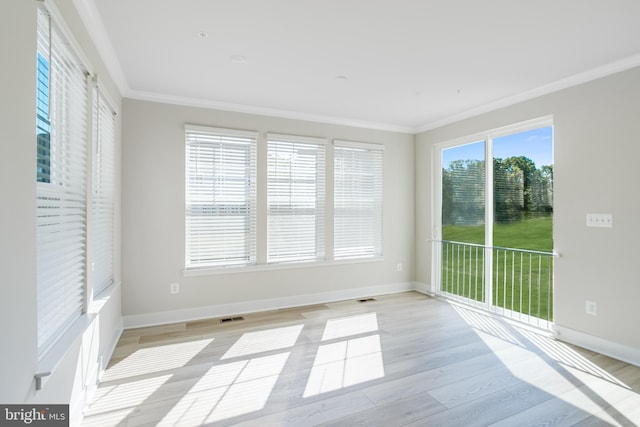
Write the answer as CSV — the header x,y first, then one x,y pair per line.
x,y
55,355
212,271
50,360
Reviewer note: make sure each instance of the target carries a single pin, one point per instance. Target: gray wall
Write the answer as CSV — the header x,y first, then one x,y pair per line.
x,y
596,154
76,369
153,215
17,186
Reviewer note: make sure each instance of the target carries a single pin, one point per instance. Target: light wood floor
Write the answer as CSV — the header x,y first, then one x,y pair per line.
x,y
403,359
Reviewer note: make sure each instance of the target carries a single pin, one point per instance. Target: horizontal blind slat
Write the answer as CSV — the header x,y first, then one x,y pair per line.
x,y
103,202
358,181
295,198
220,197
61,191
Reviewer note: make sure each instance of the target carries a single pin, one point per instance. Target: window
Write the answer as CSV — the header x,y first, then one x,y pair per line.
x,y
295,198
220,197
43,123
103,202
61,135
252,201
358,178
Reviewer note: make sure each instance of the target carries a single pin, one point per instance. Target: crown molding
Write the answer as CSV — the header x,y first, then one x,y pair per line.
x,y
575,80
263,111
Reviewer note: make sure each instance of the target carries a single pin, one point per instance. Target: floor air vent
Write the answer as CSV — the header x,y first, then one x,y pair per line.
x,y
231,319
366,299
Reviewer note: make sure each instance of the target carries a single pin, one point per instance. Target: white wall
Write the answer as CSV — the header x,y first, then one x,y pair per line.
x,y
76,369
17,186
597,149
153,220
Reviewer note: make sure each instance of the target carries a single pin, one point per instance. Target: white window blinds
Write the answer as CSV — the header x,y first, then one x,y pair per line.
x,y
220,197
61,127
295,198
103,202
358,180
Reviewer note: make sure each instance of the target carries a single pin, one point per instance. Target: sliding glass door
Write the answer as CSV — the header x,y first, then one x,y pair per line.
x,y
493,243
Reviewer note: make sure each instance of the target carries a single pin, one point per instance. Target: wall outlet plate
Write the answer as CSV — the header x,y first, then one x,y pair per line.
x,y
591,307
174,288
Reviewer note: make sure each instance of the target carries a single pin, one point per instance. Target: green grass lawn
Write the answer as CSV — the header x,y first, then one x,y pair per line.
x,y
522,282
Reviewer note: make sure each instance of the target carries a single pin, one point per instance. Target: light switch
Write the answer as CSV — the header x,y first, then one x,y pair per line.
x,y
600,220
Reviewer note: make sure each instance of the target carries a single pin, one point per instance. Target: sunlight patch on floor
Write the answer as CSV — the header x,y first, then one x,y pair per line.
x,y
236,388
155,359
119,400
227,391
548,378
564,354
261,341
486,323
348,362
345,363
349,326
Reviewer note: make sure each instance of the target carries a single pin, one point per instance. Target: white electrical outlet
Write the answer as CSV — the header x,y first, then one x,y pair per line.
x,y
399,266
591,308
174,288
599,220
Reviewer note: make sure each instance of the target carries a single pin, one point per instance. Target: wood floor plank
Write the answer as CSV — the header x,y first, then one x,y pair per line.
x,y
566,410
479,412
316,413
397,413
474,387
402,359
625,413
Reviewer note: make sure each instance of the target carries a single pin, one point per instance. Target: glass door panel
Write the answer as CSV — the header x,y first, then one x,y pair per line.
x,y
463,220
523,222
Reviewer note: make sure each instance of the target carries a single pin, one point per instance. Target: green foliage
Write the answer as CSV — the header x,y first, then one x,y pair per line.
x,y
530,293
523,206
520,191
463,192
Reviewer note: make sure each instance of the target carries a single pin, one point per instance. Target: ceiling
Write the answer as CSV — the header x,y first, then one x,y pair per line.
x,y
402,65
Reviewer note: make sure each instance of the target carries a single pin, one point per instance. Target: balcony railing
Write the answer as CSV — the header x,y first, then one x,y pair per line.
x,y
521,281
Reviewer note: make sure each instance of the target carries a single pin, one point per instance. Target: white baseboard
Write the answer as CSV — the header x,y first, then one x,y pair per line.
x,y
423,288
197,313
618,351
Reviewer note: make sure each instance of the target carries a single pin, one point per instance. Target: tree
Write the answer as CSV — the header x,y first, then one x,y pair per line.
x,y
520,190
508,191
463,199
523,170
